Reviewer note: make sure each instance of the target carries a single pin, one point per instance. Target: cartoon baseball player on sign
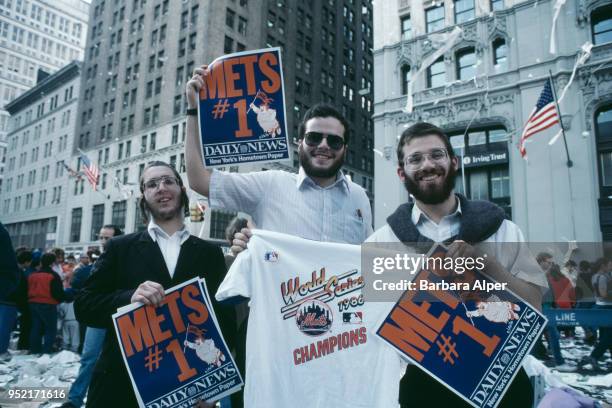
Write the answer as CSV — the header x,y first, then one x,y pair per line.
x,y
495,310
266,117
205,348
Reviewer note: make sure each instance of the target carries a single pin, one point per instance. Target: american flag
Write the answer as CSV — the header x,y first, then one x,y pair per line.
x,y
91,171
543,116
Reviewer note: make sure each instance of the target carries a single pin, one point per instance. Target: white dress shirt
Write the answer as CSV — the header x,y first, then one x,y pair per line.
x,y
294,204
448,226
170,245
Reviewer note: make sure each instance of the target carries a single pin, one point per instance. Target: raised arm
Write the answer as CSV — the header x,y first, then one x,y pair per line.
x,y
197,175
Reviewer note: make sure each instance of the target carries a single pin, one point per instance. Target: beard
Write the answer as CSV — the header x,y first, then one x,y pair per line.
x,y
165,214
433,193
319,172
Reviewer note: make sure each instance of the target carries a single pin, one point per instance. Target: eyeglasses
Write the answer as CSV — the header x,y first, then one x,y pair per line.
x,y
314,139
154,183
416,160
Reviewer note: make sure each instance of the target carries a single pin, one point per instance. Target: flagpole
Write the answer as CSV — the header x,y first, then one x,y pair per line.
x,y
569,161
552,87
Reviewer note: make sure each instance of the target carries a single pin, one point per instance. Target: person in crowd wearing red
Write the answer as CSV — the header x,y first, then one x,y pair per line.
x,y
45,292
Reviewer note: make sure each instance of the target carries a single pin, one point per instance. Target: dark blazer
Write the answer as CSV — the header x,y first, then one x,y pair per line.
x,y
9,270
128,261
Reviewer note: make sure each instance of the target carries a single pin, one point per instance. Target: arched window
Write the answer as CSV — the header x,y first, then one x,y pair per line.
x,y
405,78
601,25
466,63
500,54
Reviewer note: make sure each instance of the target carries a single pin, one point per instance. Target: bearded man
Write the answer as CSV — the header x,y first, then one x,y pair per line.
x,y
427,166
137,268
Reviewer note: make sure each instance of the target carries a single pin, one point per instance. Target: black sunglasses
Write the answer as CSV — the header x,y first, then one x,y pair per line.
x,y
313,139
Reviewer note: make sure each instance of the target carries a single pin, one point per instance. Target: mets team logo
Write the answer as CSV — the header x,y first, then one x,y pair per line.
x,y
314,318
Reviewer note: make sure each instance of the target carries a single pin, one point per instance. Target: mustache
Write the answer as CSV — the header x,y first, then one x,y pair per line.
x,y
437,171
327,151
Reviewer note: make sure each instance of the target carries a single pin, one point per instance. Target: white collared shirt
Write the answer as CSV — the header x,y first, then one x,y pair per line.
x,y
294,204
448,226
169,245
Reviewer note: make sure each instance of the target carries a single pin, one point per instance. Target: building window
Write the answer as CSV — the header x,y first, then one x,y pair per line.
x,y
497,5
406,28
139,225
603,123
605,159
500,183
435,18
230,16
497,135
466,64
500,54
143,143
75,224
242,26
464,11
601,24
436,74
175,132
228,44
477,138
484,180
405,73
97,220
118,214
219,220
603,136
152,140
479,188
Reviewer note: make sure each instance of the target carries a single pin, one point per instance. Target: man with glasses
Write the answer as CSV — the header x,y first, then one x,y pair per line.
x,y
137,268
427,166
318,203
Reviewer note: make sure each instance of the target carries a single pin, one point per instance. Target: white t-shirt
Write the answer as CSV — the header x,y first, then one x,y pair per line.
x,y
311,341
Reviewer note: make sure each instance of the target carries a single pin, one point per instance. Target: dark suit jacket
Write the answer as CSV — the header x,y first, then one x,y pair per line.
x,y
128,261
9,270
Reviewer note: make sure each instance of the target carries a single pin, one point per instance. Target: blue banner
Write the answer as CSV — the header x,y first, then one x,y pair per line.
x,y
174,353
242,109
464,332
580,317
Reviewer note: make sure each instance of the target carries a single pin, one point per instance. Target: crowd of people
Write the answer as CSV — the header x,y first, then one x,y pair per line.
x,y
41,306
576,286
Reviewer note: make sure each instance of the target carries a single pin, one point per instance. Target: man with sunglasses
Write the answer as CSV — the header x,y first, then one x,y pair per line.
x,y
317,203
138,267
427,166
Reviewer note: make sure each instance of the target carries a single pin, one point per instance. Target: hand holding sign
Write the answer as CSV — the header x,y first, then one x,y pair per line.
x,y
174,352
148,293
194,85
